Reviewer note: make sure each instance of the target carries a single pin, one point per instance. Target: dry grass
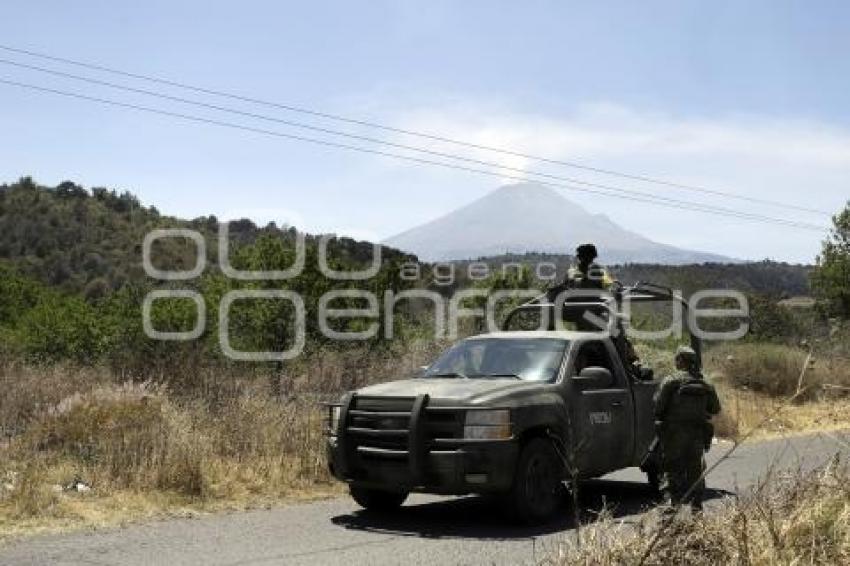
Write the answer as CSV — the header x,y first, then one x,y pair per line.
x,y
218,441
135,444
744,410
215,439
755,382
28,391
774,370
799,519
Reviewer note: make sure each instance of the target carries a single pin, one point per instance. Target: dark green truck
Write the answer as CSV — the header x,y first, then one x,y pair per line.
x,y
513,413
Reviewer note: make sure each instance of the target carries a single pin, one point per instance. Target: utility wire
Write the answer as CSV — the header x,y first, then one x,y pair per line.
x,y
374,140
433,137
684,206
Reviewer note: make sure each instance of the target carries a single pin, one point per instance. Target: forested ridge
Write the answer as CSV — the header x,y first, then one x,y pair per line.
x,y
90,241
767,277
72,282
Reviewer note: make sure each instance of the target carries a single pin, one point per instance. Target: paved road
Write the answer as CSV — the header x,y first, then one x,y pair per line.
x,y
430,530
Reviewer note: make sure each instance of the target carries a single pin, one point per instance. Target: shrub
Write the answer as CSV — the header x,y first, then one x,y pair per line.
x,y
774,370
764,368
62,328
32,495
803,518
137,437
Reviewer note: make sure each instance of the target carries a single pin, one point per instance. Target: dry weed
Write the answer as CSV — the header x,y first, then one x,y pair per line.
x,y
800,519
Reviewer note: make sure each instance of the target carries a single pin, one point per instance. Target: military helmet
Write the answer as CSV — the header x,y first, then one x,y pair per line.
x,y
586,251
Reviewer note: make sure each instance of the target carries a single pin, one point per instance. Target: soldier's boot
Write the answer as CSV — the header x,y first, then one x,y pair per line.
x,y
696,506
669,505
696,498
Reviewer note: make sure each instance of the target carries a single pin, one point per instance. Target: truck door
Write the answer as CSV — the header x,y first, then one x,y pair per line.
x,y
603,412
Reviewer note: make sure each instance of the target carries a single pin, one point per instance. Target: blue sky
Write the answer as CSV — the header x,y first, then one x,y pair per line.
x,y
746,97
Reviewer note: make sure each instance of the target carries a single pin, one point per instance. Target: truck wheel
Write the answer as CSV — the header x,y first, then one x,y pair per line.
x,y
537,488
376,499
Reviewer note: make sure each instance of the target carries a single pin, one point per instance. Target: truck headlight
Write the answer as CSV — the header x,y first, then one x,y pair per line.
x,y
492,424
333,421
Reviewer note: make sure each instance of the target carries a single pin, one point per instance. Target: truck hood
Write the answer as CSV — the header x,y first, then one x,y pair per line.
x,y
454,390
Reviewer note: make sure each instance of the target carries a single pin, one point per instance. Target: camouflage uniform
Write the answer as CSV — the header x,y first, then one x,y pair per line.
x,y
592,276
585,275
683,405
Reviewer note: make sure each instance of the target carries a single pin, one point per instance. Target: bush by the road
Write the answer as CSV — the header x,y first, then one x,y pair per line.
x,y
775,370
217,439
798,519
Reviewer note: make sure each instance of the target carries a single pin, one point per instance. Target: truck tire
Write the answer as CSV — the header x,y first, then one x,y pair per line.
x,y
537,489
376,499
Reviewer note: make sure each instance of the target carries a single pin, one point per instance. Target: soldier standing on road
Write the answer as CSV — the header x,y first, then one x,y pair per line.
x,y
684,405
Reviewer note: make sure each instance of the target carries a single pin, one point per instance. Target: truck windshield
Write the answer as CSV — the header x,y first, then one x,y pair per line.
x,y
530,359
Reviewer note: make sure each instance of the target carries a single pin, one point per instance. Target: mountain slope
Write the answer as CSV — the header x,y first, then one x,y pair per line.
x,y
532,218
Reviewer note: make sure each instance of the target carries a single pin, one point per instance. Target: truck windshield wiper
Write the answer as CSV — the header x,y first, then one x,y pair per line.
x,y
448,374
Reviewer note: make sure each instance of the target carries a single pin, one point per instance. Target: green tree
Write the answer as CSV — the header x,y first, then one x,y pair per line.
x,y
60,328
520,279
769,321
831,277
17,295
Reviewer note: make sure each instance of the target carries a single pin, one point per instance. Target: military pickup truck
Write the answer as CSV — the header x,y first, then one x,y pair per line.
x,y
513,413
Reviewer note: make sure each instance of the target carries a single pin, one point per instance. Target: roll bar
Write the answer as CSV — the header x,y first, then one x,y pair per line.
x,y
610,301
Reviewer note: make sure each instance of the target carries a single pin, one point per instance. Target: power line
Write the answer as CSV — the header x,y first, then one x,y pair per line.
x,y
433,137
368,139
683,206
651,199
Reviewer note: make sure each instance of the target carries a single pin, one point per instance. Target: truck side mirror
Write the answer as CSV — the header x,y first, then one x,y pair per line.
x,y
646,374
594,378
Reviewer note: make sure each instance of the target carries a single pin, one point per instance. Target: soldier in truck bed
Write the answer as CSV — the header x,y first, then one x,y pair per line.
x,y
684,405
586,274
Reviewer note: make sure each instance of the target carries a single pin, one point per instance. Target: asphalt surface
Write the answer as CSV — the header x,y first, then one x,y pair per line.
x,y
428,529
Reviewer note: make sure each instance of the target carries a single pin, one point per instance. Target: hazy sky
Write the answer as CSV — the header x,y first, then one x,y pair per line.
x,y
745,97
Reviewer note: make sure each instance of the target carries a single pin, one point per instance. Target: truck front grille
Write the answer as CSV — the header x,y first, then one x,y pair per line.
x,y
379,427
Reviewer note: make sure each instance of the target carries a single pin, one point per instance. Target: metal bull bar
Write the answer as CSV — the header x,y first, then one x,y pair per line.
x,y
416,452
